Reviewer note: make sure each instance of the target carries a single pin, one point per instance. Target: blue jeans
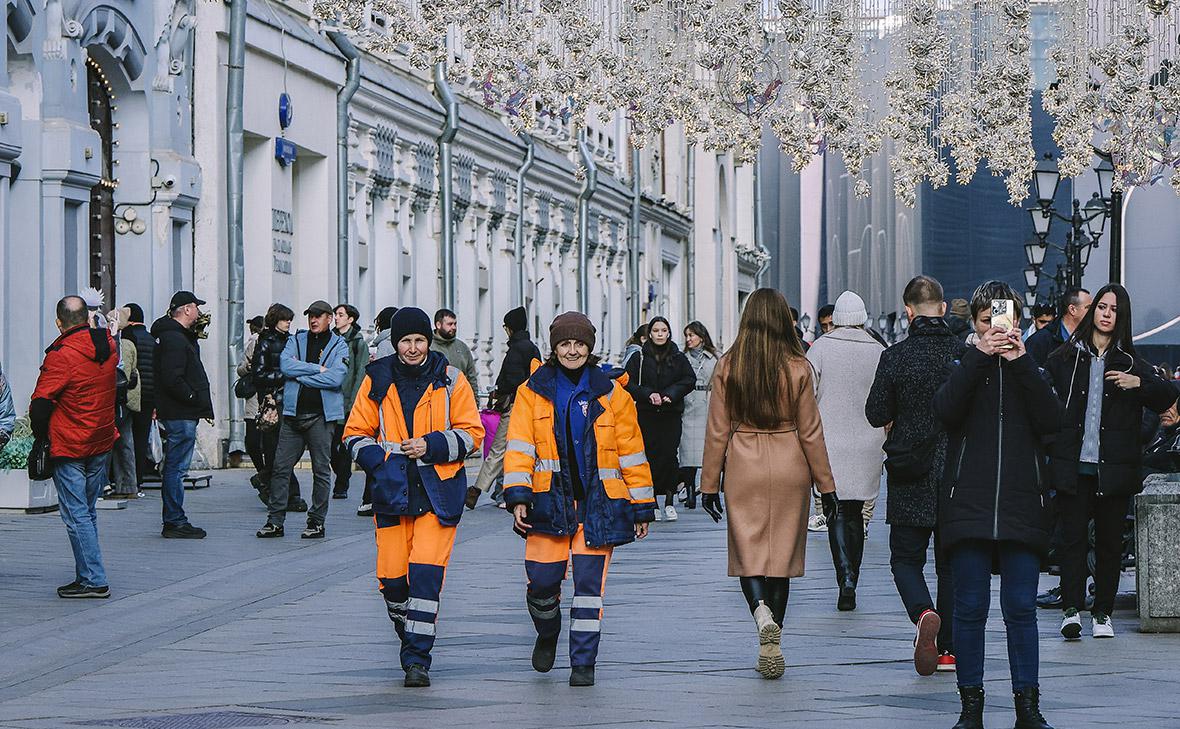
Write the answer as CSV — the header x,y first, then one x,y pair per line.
x,y
79,481
180,437
971,568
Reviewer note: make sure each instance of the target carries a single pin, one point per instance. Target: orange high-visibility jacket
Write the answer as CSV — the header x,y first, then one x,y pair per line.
x,y
446,417
619,489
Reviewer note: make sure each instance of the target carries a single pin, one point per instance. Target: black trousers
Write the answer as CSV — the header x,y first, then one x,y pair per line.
x,y
341,461
270,444
1110,518
254,445
141,426
661,442
907,558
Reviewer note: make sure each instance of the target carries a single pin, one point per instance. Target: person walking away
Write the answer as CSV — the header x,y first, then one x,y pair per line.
x,y
314,363
817,522
996,407
1095,460
127,403
634,344
250,404
902,400
578,485
447,343
381,346
413,424
845,362
959,319
182,398
145,348
514,370
346,317
765,440
659,378
702,357
73,406
266,367
1074,305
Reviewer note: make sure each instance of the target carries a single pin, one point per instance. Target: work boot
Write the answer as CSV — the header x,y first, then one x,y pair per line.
x,y
581,675
544,653
1028,709
971,717
417,677
770,653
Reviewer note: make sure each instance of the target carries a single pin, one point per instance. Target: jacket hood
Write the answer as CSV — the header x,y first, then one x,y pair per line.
x,y
382,373
848,334
168,324
930,326
95,347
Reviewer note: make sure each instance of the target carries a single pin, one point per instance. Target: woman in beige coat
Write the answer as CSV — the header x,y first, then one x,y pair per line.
x,y
764,437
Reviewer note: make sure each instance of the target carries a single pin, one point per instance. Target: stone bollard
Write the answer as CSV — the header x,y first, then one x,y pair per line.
x,y
1157,561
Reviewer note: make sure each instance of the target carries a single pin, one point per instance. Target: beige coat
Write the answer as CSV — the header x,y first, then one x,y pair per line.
x,y
768,475
129,359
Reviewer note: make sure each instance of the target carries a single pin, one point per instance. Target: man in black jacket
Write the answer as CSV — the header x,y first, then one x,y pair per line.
x,y
514,370
1074,305
902,397
182,398
145,352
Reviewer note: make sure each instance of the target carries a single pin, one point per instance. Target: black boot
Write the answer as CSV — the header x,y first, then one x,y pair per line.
x,y
544,653
581,675
846,552
691,501
778,589
971,717
417,676
1028,709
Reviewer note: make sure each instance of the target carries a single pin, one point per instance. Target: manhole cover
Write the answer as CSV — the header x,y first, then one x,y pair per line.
x,y
209,720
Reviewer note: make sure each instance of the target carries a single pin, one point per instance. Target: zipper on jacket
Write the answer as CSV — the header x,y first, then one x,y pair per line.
x,y
999,459
958,468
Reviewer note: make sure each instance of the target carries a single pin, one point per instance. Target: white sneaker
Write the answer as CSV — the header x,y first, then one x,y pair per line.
x,y
817,523
1101,627
365,510
670,513
659,514
1071,625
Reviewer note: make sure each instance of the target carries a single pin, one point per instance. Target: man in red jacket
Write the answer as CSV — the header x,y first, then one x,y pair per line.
x,y
74,407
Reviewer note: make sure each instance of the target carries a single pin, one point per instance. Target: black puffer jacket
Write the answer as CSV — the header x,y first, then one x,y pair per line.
x,y
182,387
1120,440
903,394
671,375
268,352
996,413
145,356
515,369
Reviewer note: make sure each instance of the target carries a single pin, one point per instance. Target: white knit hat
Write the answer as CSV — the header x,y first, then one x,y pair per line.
x,y
850,311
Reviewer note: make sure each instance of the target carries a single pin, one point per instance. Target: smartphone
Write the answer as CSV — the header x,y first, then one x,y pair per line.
x,y
1004,316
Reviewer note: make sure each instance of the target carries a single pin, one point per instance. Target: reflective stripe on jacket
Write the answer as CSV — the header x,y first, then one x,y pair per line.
x,y
619,494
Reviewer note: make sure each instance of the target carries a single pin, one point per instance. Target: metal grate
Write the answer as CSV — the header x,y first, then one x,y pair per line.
x,y
208,720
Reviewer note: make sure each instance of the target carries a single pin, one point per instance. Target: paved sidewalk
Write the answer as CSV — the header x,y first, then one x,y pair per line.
x,y
234,631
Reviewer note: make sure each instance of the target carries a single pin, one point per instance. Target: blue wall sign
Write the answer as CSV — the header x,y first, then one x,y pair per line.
x,y
284,151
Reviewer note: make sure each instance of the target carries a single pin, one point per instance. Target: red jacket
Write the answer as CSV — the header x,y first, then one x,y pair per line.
x,y
78,381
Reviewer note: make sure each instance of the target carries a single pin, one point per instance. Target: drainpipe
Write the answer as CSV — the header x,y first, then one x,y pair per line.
x,y
343,99
236,294
692,234
446,193
758,221
635,298
589,186
518,251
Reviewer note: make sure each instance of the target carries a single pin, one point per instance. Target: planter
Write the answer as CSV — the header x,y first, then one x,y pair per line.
x,y
17,491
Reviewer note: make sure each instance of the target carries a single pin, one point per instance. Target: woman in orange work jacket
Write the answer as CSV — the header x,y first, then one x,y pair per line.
x,y
412,425
577,481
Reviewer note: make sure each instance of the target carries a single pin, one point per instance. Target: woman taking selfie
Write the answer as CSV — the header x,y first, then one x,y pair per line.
x,y
577,484
1095,460
764,439
702,356
996,407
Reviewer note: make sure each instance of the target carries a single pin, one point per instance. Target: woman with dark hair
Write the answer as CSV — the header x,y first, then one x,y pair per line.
x,y
659,378
996,407
1095,460
634,343
381,345
702,356
765,437
269,380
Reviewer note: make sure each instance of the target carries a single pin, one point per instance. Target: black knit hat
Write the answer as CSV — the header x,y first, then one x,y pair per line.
x,y
517,320
410,320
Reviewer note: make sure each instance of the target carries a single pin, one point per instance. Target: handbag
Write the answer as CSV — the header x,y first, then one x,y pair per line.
x,y
908,462
268,412
244,388
40,465
155,443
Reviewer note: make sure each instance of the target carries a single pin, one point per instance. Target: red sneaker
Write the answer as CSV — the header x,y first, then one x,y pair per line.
x,y
925,647
946,662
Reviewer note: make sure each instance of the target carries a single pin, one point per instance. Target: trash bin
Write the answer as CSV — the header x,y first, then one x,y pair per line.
x,y
1157,536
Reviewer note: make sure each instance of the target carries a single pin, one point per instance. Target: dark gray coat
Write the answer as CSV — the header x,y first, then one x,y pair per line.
x,y
908,375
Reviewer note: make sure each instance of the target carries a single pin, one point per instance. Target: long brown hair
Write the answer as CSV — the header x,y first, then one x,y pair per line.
x,y
766,341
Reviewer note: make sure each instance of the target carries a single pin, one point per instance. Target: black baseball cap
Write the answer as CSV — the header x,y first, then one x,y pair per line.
x,y
318,308
184,298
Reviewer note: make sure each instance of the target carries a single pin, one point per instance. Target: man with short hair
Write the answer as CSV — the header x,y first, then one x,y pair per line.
x,y
73,406
315,362
447,343
902,397
1074,305
145,353
825,318
182,399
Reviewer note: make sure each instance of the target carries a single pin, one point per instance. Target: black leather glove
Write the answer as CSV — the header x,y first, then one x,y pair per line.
x,y
711,503
831,506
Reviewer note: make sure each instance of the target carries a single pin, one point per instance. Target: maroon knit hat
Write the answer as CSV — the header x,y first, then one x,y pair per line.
x,y
572,325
